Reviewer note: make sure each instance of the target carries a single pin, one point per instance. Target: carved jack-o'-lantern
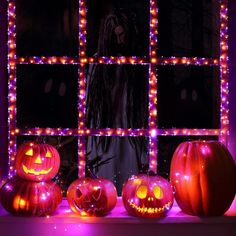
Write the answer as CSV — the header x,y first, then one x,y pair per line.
x,y
92,197
147,196
28,198
204,176
37,162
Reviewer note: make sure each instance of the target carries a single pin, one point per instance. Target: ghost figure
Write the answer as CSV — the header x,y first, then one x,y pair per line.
x,y
117,97
61,87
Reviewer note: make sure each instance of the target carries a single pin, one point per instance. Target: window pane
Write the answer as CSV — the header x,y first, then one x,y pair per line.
x,y
189,28
47,28
47,96
188,97
166,149
117,96
117,158
118,28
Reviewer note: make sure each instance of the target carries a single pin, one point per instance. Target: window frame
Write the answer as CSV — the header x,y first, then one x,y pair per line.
x,y
153,132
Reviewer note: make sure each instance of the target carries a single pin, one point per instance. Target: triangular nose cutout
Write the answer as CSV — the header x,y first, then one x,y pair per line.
x,y
38,160
97,194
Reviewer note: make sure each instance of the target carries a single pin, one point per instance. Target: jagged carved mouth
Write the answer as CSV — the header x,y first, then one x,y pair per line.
x,y
151,210
84,211
34,172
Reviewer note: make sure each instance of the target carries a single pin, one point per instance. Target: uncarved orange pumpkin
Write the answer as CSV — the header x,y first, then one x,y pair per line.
x,y
28,198
204,176
37,162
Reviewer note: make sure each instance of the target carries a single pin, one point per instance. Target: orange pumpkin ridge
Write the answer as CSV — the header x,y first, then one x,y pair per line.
x,y
28,198
204,176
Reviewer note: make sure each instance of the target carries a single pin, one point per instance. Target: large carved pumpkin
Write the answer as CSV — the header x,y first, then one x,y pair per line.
x,y
37,162
204,176
92,197
27,198
147,196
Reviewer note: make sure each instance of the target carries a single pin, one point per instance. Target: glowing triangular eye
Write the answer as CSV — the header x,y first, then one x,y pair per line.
x,y
29,152
158,192
48,154
142,192
78,193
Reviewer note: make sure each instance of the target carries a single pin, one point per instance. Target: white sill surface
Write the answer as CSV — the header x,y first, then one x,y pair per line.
x,y
118,222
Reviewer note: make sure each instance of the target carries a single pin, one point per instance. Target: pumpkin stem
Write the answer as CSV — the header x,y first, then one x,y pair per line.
x,y
143,168
151,173
40,140
91,174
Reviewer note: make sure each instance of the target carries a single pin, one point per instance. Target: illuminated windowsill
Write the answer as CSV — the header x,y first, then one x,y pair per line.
x,y
119,215
64,222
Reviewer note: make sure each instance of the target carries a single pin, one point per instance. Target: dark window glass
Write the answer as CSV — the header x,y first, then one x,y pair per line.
x,y
116,28
47,96
189,28
47,28
188,97
117,96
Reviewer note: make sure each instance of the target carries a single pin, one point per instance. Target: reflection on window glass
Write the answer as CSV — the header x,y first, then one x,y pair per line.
x,y
47,28
117,158
67,148
117,96
188,97
189,28
47,96
118,28
166,149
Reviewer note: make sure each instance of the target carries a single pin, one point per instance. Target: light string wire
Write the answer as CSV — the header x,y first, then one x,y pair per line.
x,y
224,106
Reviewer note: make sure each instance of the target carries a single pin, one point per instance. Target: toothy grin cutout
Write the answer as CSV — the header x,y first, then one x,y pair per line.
x,y
150,210
89,210
34,172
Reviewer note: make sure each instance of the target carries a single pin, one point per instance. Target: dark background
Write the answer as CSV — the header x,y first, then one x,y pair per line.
x,y
188,97
47,96
46,28
188,28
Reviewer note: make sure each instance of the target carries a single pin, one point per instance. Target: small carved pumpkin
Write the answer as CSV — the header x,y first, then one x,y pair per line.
x,y
27,198
147,196
37,162
92,197
204,176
